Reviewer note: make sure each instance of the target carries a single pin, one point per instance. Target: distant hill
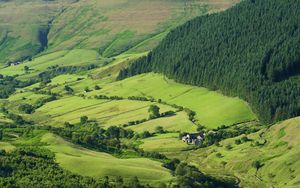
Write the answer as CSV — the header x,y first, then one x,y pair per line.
x,y
109,27
24,25
250,51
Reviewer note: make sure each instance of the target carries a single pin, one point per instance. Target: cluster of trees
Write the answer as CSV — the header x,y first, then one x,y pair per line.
x,y
29,109
46,76
215,137
94,137
8,85
223,132
26,108
153,114
39,103
18,120
108,97
190,177
137,98
109,140
153,111
68,89
250,51
36,167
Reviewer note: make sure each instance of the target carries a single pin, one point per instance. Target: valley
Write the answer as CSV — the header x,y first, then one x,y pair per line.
x,y
107,99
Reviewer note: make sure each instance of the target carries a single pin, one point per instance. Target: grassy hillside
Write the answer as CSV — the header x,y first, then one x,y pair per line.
x,y
99,164
22,24
212,108
164,143
276,148
105,112
28,27
103,26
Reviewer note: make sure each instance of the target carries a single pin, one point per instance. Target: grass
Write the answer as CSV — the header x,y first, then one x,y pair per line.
x,y
26,97
3,119
164,143
213,109
77,57
280,156
98,164
179,122
6,146
110,27
93,25
106,113
20,23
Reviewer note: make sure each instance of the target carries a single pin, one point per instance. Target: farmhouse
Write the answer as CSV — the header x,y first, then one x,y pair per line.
x,y
193,138
15,63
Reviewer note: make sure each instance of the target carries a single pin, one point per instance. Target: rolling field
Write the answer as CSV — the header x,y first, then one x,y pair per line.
x,y
212,108
61,58
164,143
179,122
105,112
27,97
279,155
98,164
7,146
3,119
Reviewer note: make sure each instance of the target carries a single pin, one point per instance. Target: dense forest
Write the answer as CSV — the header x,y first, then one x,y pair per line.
x,y
250,51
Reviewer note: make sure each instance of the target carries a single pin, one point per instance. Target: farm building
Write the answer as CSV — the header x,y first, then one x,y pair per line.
x,y
193,138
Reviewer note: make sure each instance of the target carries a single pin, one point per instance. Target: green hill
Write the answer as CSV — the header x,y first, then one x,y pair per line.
x,y
24,26
276,148
31,26
250,51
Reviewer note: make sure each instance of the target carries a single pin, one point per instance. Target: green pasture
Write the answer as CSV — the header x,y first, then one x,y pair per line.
x,y
105,112
213,109
165,143
77,57
97,164
178,122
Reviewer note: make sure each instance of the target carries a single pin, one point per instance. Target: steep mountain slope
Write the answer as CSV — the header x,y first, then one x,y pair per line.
x,y
250,51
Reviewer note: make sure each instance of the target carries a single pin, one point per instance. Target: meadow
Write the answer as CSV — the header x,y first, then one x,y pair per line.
x,y
213,109
165,143
97,164
43,63
105,112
